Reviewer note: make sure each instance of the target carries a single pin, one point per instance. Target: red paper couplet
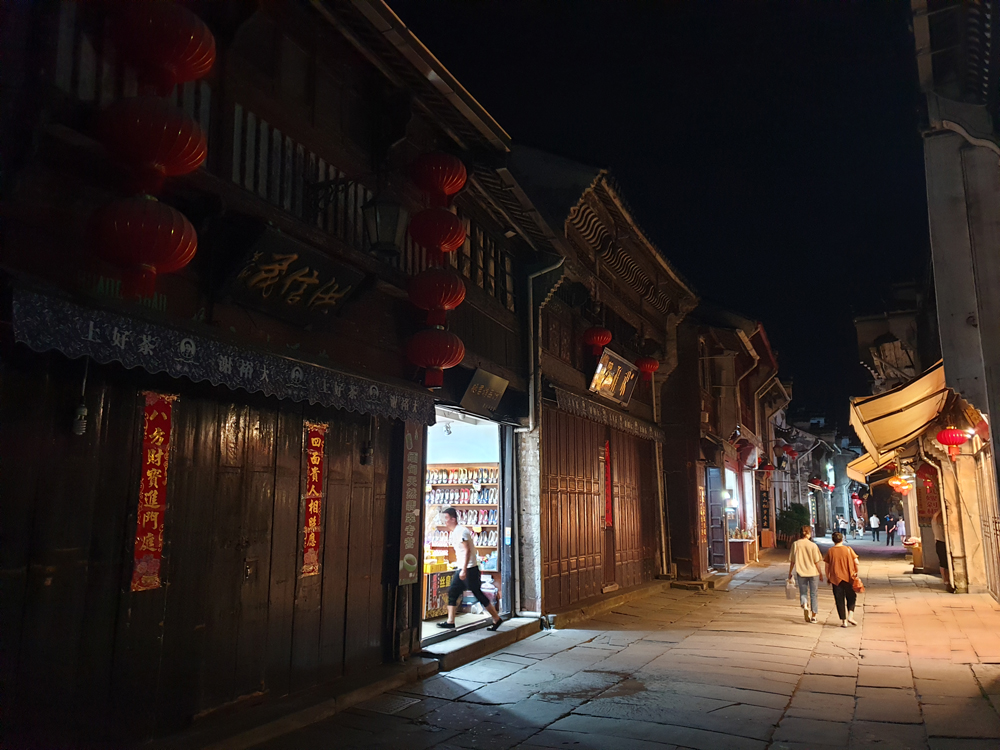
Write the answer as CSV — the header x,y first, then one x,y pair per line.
x,y
315,483
152,491
609,516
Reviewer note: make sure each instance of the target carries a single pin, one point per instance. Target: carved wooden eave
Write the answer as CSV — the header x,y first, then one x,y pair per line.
x,y
603,225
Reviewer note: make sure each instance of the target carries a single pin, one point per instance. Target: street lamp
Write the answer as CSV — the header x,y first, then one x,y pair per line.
x,y
385,225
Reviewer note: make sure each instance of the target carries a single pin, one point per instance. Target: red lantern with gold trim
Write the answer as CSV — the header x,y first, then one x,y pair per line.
x,y
155,139
436,350
597,338
166,42
439,174
438,291
144,238
438,230
647,366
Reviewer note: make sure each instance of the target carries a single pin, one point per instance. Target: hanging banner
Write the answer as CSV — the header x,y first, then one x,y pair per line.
x,y
765,509
148,550
928,496
609,516
413,489
315,483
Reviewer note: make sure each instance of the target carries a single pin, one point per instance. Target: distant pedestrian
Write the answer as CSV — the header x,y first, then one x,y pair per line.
x,y
890,531
841,570
803,561
901,530
467,576
857,525
875,523
941,547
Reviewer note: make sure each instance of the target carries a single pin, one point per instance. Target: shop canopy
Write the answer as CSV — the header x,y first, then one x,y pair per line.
x,y
890,420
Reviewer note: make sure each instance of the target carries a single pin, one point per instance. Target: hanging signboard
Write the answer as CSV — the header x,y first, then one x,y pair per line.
x,y
315,483
410,524
148,551
290,280
484,393
765,509
928,497
615,378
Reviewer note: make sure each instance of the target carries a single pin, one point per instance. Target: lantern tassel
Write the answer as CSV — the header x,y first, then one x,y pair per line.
x,y
433,377
139,284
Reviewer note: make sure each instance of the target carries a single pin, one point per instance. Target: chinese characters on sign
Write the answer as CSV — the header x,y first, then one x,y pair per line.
x,y
290,280
413,492
765,509
615,378
315,465
702,516
152,491
928,499
484,393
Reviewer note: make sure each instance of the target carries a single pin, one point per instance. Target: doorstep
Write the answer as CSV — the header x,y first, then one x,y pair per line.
x,y
247,726
475,644
599,605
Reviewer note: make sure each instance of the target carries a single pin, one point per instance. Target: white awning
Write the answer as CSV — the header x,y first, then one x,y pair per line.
x,y
889,420
861,468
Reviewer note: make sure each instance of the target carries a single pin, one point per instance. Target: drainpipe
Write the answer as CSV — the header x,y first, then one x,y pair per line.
x,y
534,371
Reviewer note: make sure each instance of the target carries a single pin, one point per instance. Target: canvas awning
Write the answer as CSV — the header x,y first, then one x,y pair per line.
x,y
890,420
861,468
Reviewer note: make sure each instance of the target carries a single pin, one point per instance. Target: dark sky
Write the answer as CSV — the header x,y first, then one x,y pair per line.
x,y
770,149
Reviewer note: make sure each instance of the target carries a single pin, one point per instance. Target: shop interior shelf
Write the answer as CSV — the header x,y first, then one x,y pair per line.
x,y
467,505
491,525
463,484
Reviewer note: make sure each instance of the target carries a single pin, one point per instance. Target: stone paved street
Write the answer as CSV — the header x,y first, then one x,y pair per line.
x,y
717,670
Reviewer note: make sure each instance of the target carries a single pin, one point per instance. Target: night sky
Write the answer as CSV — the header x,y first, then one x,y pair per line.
x,y
770,149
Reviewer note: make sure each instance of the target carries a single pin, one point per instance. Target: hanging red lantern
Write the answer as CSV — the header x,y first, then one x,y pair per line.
x,y
439,174
597,338
166,42
896,481
144,238
436,350
438,230
767,467
154,138
647,366
438,291
954,439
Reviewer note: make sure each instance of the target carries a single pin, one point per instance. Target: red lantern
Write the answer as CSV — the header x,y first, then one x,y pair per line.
x,y
438,230
896,482
436,350
768,467
597,338
144,238
953,438
166,42
154,138
647,366
437,290
442,175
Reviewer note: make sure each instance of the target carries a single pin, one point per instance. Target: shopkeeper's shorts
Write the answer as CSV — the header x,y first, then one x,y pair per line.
x,y
472,581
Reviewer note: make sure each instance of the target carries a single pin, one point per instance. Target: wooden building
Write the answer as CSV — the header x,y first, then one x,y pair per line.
x,y
717,405
591,491
272,558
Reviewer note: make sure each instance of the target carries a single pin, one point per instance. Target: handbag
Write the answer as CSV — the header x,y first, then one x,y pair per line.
x,y
791,589
857,585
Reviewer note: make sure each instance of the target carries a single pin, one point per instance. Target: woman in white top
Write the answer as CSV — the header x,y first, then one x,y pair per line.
x,y
804,560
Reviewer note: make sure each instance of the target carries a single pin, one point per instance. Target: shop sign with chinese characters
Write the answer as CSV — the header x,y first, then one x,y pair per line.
x,y
313,498
484,393
148,551
413,474
615,378
765,509
290,280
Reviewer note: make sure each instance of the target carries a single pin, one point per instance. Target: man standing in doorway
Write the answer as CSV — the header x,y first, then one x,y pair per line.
x,y
467,576
937,527
875,523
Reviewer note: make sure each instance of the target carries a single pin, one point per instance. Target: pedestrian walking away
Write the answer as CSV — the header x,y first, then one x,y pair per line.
x,y
803,561
858,527
890,531
875,523
901,530
841,570
467,576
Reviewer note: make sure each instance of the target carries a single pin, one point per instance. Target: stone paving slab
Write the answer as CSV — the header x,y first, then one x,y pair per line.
x,y
717,670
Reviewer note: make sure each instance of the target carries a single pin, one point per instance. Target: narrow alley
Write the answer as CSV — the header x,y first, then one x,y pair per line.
x,y
717,670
